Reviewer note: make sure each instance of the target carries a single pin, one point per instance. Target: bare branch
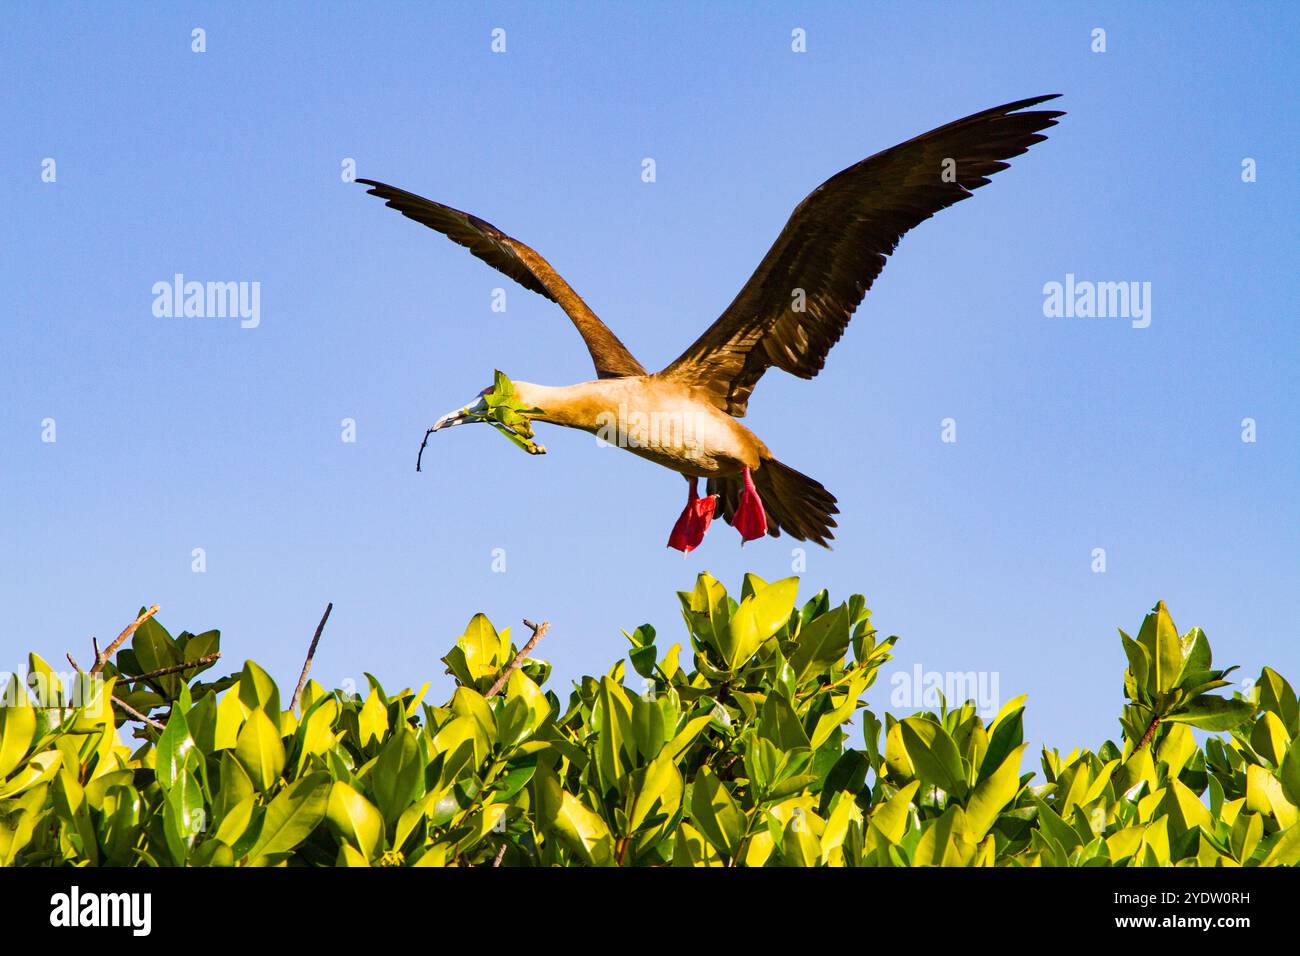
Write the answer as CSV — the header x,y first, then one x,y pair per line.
x,y
175,668
1146,737
101,657
132,712
539,631
311,653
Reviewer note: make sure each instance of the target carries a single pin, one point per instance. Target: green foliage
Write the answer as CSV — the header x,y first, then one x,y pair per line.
x,y
1169,679
763,753
511,417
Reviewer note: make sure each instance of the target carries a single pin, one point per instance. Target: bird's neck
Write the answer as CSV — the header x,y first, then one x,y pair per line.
x,y
574,406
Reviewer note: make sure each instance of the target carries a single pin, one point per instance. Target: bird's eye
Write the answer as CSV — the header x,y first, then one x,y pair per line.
x,y
485,391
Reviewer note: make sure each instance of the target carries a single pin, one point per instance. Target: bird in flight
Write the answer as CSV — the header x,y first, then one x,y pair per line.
x,y
794,307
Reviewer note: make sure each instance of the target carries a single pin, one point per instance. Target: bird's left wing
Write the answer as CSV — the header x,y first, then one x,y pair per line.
x,y
800,299
519,262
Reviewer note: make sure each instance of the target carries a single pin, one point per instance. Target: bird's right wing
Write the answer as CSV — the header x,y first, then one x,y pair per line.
x,y
519,262
799,300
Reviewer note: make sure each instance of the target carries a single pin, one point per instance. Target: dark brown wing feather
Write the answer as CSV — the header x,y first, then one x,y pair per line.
x,y
519,262
835,245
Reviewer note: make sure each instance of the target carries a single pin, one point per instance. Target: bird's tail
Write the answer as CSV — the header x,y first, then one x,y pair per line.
x,y
795,503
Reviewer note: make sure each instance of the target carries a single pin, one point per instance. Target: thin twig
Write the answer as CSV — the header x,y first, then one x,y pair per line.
x,y
422,444
73,661
539,631
501,855
101,657
311,652
848,675
131,711
175,668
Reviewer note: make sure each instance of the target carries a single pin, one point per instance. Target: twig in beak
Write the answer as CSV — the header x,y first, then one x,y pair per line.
x,y
459,417
422,444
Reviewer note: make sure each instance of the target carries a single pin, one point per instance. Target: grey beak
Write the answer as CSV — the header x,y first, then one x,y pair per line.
x,y
459,417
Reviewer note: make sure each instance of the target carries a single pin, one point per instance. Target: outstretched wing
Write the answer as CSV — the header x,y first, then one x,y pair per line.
x,y
519,262
800,299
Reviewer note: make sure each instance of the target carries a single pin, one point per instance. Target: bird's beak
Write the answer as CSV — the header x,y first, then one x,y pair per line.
x,y
461,415
504,413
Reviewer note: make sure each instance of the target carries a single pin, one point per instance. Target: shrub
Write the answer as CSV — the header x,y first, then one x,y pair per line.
x,y
763,753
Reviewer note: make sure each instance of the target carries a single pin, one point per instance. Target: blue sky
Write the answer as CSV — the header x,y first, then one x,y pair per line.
x,y
1072,434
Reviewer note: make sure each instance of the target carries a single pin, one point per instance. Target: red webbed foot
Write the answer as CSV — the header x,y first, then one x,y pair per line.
x,y
695,519
750,519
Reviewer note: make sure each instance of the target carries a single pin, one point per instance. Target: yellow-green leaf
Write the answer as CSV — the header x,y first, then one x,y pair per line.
x,y
257,689
260,750
584,832
660,791
290,818
1269,738
992,795
933,753
757,618
372,721
354,818
716,814
17,726
1164,649
1286,851
891,818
